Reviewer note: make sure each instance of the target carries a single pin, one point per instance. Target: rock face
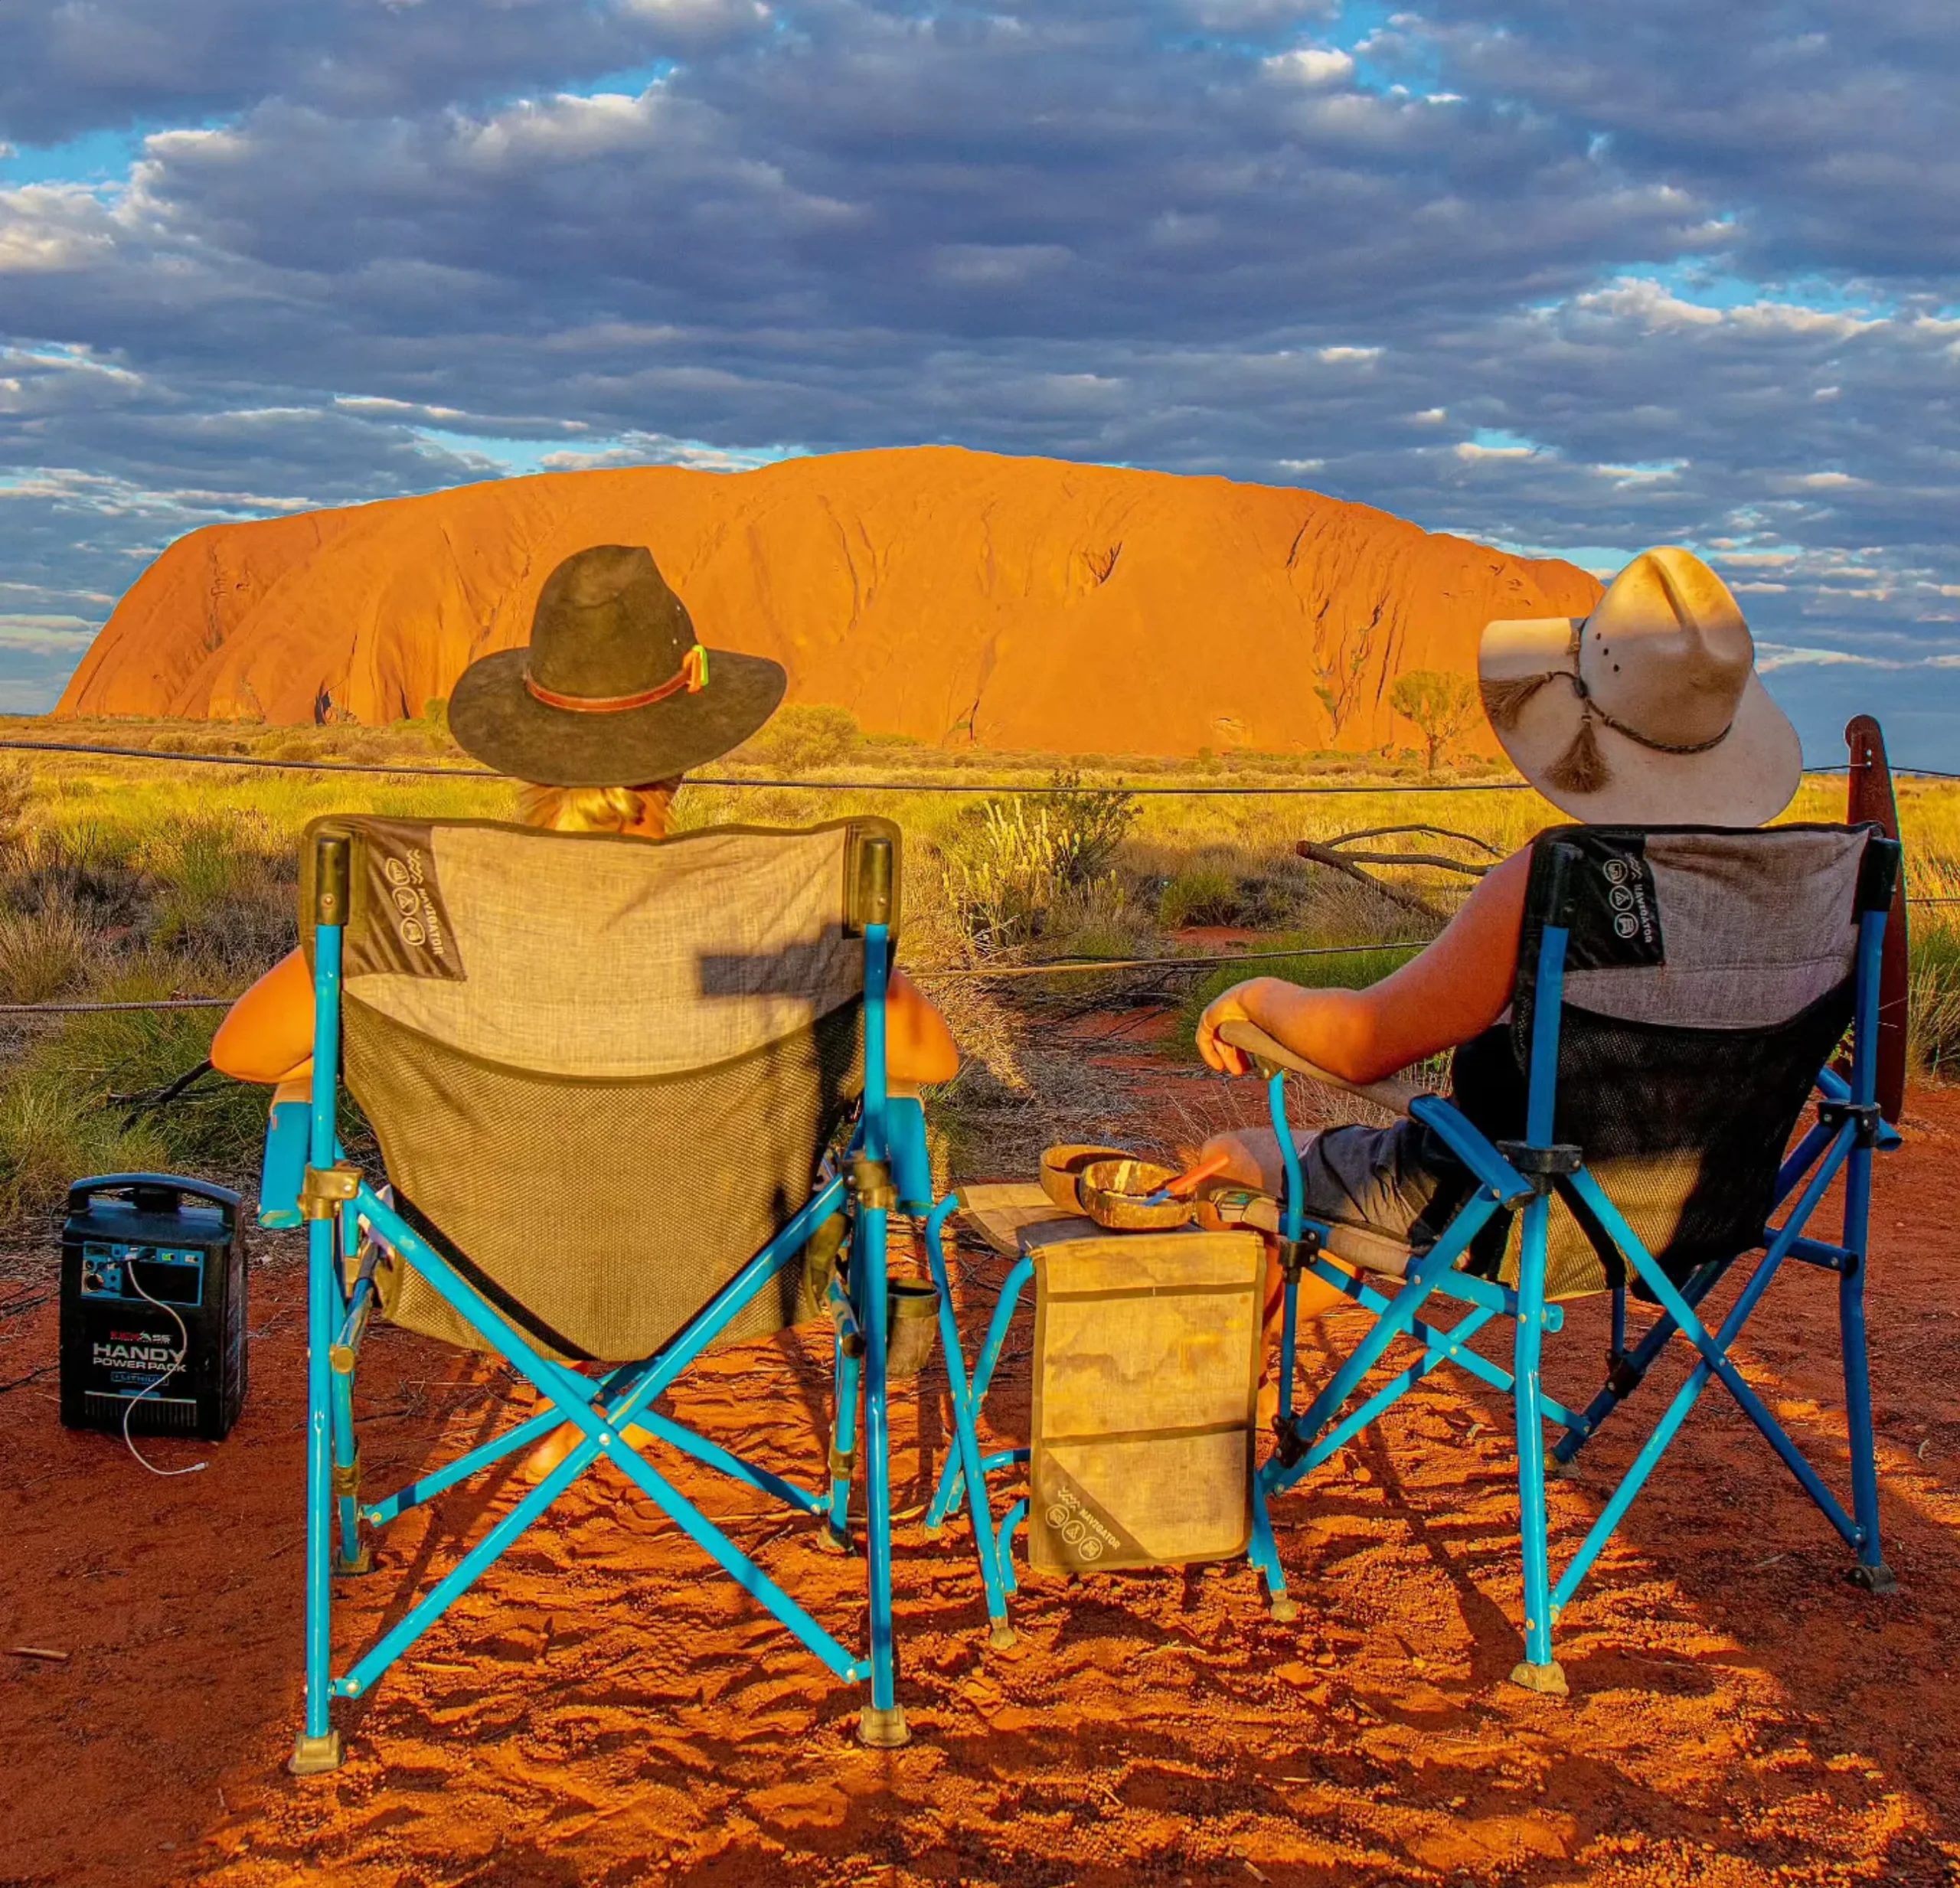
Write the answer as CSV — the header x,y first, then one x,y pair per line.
x,y
954,596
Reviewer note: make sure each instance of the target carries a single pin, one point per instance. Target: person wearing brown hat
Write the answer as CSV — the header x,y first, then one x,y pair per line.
x,y
597,717
1648,712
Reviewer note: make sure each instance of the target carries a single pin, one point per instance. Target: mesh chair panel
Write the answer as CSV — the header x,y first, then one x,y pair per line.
x,y
600,1217
1709,976
614,1082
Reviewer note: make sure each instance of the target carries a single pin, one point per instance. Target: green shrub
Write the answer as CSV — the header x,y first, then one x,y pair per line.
x,y
1009,863
1934,1029
51,1134
227,895
44,954
1206,894
804,737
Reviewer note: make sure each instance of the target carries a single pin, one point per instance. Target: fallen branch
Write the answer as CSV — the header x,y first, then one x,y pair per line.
x,y
1326,855
1440,832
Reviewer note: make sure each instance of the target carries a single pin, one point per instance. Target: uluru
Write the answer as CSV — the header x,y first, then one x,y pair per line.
x,y
951,596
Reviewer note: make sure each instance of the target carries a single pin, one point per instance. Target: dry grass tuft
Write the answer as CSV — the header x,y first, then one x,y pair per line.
x,y
122,876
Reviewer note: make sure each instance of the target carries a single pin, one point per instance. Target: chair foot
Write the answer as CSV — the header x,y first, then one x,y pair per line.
x,y
1563,1470
1548,1678
1874,1579
1004,1637
315,1756
1283,1608
832,1540
362,1562
882,1730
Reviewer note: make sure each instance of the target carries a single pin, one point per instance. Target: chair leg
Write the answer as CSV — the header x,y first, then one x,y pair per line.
x,y
1627,1369
1264,1555
966,1439
351,1554
1871,1572
834,1537
880,1723
1539,1671
317,1749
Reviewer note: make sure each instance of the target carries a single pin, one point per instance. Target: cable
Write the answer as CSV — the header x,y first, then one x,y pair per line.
x,y
95,1009
709,780
150,1390
1086,966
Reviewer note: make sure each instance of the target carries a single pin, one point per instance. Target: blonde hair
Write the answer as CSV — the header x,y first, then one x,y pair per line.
x,y
597,808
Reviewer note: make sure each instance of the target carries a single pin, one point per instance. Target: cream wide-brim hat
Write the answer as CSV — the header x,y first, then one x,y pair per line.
x,y
1649,712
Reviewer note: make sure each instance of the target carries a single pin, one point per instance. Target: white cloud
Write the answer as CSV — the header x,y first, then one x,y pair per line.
x,y
67,636
1313,65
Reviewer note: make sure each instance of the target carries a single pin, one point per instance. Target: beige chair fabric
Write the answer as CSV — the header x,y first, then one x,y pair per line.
x,y
1709,976
602,1069
1146,1365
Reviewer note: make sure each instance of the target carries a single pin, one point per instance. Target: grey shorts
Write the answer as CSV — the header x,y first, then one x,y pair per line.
x,y
1384,1193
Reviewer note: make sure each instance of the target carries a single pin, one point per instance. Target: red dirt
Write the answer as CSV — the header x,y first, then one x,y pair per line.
x,y
601,1711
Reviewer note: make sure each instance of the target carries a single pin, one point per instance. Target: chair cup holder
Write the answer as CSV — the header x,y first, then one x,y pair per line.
x,y
911,1325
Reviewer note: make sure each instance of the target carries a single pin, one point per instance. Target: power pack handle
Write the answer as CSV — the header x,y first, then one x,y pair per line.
x,y
175,1185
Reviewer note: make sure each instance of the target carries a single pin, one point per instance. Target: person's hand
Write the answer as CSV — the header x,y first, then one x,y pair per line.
x,y
1229,1008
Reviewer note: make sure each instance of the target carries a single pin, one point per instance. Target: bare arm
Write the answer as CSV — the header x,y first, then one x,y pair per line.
x,y
919,1046
267,1035
1456,988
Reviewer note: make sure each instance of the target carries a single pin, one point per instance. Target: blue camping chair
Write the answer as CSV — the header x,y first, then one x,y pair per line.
x,y
1681,992
632,1101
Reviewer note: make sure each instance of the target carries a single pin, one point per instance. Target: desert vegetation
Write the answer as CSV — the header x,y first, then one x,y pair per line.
x,y
129,880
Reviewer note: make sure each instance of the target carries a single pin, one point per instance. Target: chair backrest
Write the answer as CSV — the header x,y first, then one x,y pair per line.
x,y
1146,1366
602,1071
1709,975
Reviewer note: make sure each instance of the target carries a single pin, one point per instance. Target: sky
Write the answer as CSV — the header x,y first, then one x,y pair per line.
x,y
1569,279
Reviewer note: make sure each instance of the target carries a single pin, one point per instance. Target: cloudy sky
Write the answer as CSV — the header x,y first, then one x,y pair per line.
x,y
1571,278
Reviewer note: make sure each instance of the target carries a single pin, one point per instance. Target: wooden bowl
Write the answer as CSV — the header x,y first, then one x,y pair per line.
x,y
1062,1169
1114,1193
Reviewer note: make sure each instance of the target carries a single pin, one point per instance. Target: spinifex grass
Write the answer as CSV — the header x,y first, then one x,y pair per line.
x,y
120,878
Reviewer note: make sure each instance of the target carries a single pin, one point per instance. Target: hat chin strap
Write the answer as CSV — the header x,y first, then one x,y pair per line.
x,y
1582,769
692,678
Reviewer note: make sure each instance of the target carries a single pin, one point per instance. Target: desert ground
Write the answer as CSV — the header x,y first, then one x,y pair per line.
x,y
600,1709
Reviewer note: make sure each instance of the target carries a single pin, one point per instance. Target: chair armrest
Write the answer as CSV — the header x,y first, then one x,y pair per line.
x,y
287,1138
1395,1094
1472,1146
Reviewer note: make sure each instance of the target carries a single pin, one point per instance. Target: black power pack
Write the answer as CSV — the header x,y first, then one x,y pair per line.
x,y
152,1306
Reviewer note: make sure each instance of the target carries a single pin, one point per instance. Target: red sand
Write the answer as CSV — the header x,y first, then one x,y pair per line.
x,y
602,1711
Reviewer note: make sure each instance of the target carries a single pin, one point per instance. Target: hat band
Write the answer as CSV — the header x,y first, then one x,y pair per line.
x,y
1582,768
692,678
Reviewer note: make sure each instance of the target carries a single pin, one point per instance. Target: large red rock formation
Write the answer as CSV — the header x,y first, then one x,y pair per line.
x,y
948,595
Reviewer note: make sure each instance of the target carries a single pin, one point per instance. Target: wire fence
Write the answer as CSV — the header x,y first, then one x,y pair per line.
x,y
411,769
1084,967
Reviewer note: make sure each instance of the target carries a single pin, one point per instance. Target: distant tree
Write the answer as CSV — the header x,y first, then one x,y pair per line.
x,y
1441,705
805,736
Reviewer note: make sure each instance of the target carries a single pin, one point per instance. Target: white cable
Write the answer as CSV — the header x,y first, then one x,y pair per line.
x,y
150,1390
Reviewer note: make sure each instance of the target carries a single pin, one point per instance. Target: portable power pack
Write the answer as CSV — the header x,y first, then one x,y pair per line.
x,y
152,1306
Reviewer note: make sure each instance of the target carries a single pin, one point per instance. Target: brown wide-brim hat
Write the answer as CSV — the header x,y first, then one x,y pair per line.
x,y
613,689
1649,712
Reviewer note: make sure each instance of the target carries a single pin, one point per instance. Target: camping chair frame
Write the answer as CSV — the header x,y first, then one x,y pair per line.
x,y
1529,1174
307,1178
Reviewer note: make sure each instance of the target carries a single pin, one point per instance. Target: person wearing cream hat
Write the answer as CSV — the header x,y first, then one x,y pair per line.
x,y
1648,712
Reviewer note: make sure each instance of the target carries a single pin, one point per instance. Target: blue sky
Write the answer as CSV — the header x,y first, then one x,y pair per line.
x,y
1569,279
